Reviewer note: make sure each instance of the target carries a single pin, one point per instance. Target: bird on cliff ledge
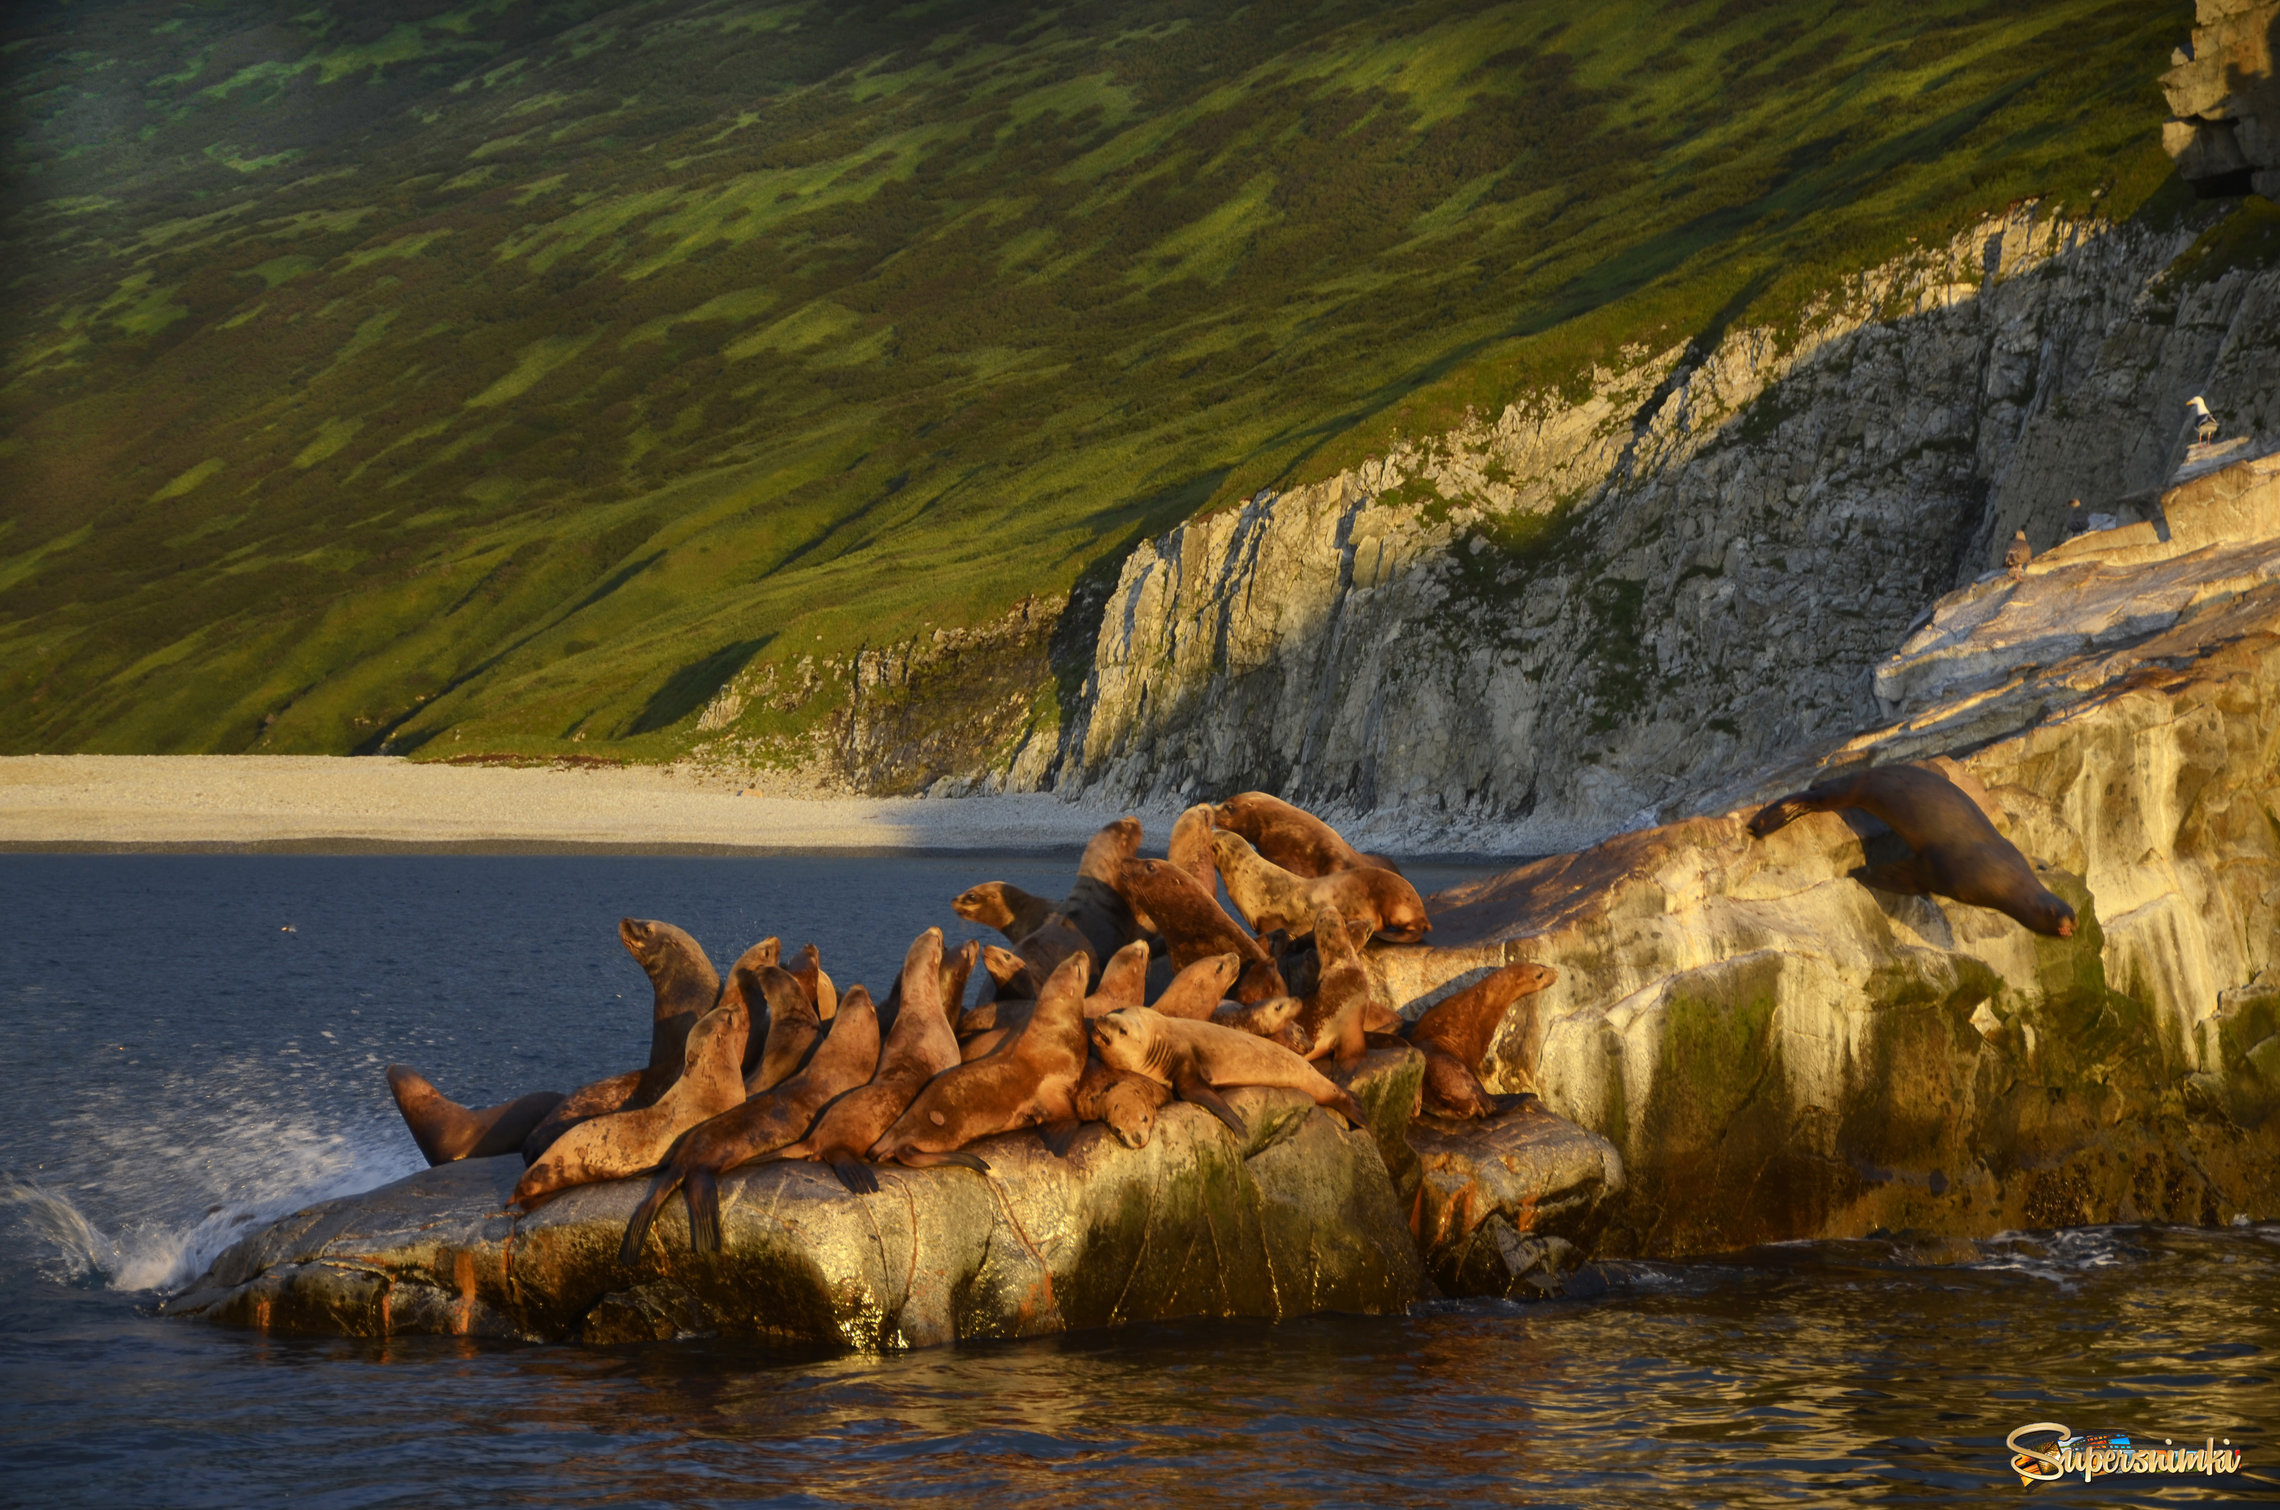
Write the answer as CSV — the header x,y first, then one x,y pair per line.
x,y
2076,520
2017,557
2204,423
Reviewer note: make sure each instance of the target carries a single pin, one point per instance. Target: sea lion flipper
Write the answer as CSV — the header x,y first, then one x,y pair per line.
x,y
1346,1106
856,1175
637,1229
1195,1088
1059,1137
914,1159
704,1211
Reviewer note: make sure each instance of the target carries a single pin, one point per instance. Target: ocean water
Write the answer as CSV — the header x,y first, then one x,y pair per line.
x,y
195,1045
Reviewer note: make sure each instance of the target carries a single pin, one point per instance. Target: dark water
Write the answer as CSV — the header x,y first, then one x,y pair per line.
x,y
180,1067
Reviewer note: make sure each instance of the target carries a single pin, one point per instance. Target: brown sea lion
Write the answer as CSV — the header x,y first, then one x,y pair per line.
x,y
1455,1033
447,1131
1198,990
793,1026
918,1047
1003,967
1003,906
743,981
808,971
1958,853
1269,896
597,1099
1199,1059
1191,847
957,969
1029,1080
1331,1019
1272,1018
1042,952
845,1057
1123,980
1195,926
1128,1103
685,986
628,1142
1292,837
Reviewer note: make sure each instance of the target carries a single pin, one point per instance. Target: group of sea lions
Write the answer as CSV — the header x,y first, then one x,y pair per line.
x,y
1135,988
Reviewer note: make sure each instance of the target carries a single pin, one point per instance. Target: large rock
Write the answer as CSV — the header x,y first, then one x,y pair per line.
x,y
1779,1051
1301,1216
2224,99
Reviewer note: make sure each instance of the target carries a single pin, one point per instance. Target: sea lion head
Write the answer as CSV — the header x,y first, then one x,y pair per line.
x,y
984,904
1401,914
1129,1113
667,954
1124,1038
2049,915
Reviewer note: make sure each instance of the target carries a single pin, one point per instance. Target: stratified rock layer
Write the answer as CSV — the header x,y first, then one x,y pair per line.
x,y
1779,1051
1301,1216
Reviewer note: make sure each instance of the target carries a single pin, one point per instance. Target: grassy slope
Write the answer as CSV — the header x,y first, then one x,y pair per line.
x,y
515,372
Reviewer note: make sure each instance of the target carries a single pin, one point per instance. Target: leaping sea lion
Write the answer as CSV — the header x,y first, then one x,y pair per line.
x,y
918,1047
1029,1079
447,1131
1269,896
628,1142
1292,837
1199,1059
1455,1032
845,1057
1958,853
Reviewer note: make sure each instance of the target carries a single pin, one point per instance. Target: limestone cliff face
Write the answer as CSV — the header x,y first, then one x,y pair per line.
x,y
1561,616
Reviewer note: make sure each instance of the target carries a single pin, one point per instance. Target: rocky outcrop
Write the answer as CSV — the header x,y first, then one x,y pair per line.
x,y
2224,99
1302,1215
1779,1051
1566,613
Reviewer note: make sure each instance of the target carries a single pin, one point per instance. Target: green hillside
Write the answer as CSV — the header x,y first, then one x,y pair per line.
x,y
508,376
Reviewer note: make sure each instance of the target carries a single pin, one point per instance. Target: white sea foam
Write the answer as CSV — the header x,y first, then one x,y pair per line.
x,y
268,1169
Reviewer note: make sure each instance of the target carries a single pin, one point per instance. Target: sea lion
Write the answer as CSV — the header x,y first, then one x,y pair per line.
x,y
1455,1032
1191,846
1123,980
918,1047
1128,1103
1198,990
793,1026
808,971
1272,1018
1003,906
1292,837
845,1057
628,1142
1958,853
1199,1059
1195,926
957,969
743,979
1029,1079
597,1099
447,1131
685,986
1330,1020
1003,967
1269,896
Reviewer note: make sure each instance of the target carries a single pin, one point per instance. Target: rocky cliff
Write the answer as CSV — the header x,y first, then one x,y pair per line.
x,y
1561,615
1780,1051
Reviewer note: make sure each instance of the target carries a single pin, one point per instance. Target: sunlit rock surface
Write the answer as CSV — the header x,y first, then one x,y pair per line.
x,y
1780,1052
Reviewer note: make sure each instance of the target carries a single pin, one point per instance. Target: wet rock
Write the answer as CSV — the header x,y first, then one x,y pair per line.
x,y
1511,1204
1298,1217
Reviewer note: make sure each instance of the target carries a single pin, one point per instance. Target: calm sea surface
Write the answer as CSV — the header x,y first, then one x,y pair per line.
x,y
194,1044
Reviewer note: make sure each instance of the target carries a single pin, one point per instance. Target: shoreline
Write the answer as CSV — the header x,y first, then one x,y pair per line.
x,y
378,804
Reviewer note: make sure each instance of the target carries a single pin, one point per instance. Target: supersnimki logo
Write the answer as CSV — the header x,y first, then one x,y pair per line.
x,y
2045,1452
